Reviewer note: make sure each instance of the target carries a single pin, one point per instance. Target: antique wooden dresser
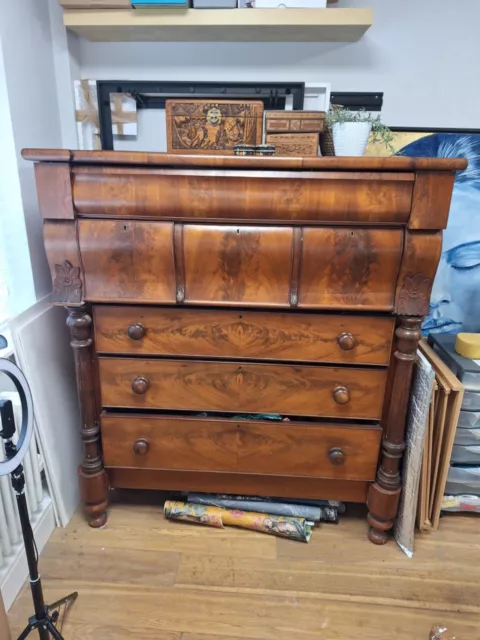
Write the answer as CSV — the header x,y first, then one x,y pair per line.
x,y
206,291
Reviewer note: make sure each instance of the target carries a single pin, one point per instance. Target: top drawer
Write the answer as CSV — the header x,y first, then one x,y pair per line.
x,y
295,196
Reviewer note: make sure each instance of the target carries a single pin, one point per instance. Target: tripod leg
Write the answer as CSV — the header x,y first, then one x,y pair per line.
x,y
54,632
25,632
56,605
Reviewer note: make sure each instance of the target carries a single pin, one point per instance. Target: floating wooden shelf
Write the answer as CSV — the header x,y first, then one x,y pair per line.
x,y
221,25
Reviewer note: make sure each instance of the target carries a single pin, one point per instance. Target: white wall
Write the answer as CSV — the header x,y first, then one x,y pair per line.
x,y
34,72
423,54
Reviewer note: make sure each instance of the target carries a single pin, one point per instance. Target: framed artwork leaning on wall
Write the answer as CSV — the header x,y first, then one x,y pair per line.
x,y
455,300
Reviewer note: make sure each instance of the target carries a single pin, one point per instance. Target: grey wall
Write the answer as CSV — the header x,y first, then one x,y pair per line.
x,y
423,54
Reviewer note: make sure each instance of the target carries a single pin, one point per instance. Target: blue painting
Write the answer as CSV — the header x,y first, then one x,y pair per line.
x,y
455,301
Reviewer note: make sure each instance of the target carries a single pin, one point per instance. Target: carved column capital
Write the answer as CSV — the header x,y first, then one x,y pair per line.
x,y
80,324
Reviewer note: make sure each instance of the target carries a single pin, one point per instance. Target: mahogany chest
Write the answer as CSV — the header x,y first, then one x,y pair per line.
x,y
205,291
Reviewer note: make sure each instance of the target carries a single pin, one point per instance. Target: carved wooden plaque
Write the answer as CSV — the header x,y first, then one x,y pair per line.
x,y
200,126
294,121
294,144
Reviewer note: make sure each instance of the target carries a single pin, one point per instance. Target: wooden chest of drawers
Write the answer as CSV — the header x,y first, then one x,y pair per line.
x,y
205,292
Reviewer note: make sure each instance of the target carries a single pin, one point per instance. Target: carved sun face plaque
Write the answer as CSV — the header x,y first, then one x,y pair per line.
x,y
214,116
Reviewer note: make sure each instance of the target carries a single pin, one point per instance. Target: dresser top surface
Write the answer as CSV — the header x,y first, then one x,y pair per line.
x,y
331,163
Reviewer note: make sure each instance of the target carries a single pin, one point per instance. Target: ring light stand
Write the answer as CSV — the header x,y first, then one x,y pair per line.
x,y
45,615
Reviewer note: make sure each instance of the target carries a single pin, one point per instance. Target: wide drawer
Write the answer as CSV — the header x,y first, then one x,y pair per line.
x,y
236,195
259,335
242,387
241,446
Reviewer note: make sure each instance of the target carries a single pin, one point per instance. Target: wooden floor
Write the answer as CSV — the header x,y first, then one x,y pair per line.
x,y
144,577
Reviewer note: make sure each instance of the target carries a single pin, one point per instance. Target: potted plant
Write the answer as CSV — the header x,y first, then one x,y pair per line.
x,y
351,130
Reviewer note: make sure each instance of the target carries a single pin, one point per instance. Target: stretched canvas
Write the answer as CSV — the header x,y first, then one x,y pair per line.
x,y
455,301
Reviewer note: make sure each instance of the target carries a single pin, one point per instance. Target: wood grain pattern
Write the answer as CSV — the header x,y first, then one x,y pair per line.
x,y
93,480
254,586
420,259
350,268
4,626
431,200
245,446
384,494
263,196
294,144
242,387
245,334
237,265
64,260
128,260
54,190
332,163
251,484
212,127
294,121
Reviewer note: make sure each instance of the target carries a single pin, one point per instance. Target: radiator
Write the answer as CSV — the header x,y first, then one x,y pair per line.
x,y
10,530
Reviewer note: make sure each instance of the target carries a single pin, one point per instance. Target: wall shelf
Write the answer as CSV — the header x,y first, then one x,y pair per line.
x,y
220,25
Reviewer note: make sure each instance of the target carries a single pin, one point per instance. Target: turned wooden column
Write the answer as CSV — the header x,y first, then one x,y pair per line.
x,y
384,494
93,478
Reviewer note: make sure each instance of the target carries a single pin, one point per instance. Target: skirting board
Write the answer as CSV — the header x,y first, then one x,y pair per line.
x,y
13,577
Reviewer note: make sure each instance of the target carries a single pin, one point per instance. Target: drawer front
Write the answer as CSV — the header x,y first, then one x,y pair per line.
x,y
242,387
223,195
127,260
238,265
231,265
350,268
192,444
259,335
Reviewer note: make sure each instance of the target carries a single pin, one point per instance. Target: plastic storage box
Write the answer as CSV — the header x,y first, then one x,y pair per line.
x,y
463,480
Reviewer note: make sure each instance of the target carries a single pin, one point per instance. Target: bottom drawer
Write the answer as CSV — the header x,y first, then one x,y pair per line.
x,y
241,446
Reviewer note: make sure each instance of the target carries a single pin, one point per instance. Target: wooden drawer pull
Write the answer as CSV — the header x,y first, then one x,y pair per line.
x,y
346,341
140,385
336,456
341,395
136,331
141,447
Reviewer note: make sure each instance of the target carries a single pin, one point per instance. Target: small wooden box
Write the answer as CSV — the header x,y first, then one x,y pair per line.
x,y
294,144
208,127
294,121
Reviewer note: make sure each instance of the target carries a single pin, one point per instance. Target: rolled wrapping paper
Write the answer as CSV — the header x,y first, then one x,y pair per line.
x,y
309,512
283,526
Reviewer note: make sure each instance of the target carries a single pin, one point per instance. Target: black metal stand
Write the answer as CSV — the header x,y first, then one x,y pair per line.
x,y
45,616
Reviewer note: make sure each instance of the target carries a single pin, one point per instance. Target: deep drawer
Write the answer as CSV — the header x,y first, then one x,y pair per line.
x,y
333,268
242,387
194,444
246,334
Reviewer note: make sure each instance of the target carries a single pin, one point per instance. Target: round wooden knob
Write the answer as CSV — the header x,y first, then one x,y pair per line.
x,y
140,385
141,447
346,341
136,331
341,395
336,456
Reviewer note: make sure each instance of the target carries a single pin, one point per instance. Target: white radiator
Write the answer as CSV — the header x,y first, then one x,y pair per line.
x,y
10,530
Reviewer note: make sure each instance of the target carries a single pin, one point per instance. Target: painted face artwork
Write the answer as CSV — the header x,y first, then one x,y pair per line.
x,y
455,301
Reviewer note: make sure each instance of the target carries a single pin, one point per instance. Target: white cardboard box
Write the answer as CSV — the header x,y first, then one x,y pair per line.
x,y
214,4
285,4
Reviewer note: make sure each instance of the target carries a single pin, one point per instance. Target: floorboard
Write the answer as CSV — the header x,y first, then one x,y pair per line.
x,y
144,577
